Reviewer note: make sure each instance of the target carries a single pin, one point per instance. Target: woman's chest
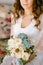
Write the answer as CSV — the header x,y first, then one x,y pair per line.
x,y
29,30
26,22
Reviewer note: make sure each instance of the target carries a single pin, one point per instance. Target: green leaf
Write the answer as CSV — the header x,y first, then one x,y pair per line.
x,y
23,36
22,62
7,51
26,43
5,46
31,47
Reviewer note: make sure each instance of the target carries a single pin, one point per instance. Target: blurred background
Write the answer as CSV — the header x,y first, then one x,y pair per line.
x,y
6,7
7,1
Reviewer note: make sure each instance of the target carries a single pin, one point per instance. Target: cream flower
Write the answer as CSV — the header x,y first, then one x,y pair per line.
x,y
12,52
21,47
9,48
17,42
11,43
17,52
25,56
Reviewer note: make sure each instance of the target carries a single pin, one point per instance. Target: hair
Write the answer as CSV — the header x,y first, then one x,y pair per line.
x,y
18,10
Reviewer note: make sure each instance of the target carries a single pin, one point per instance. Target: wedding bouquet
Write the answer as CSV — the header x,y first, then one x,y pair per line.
x,y
22,48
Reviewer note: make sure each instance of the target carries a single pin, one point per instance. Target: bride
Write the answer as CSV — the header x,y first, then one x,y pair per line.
x,y
27,18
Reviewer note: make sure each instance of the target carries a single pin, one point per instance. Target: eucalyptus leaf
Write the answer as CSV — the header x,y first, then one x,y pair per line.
x,y
26,43
23,36
25,40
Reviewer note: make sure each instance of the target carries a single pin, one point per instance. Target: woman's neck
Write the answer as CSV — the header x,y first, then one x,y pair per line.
x,y
28,11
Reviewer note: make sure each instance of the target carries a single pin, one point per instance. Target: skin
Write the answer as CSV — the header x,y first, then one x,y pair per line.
x,y
27,5
28,15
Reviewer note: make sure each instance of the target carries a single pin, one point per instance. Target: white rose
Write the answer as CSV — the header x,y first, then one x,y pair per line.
x,y
21,46
13,52
17,52
9,48
11,43
18,55
17,42
25,56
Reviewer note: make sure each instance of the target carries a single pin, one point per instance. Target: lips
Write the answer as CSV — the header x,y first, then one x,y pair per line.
x,y
25,4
